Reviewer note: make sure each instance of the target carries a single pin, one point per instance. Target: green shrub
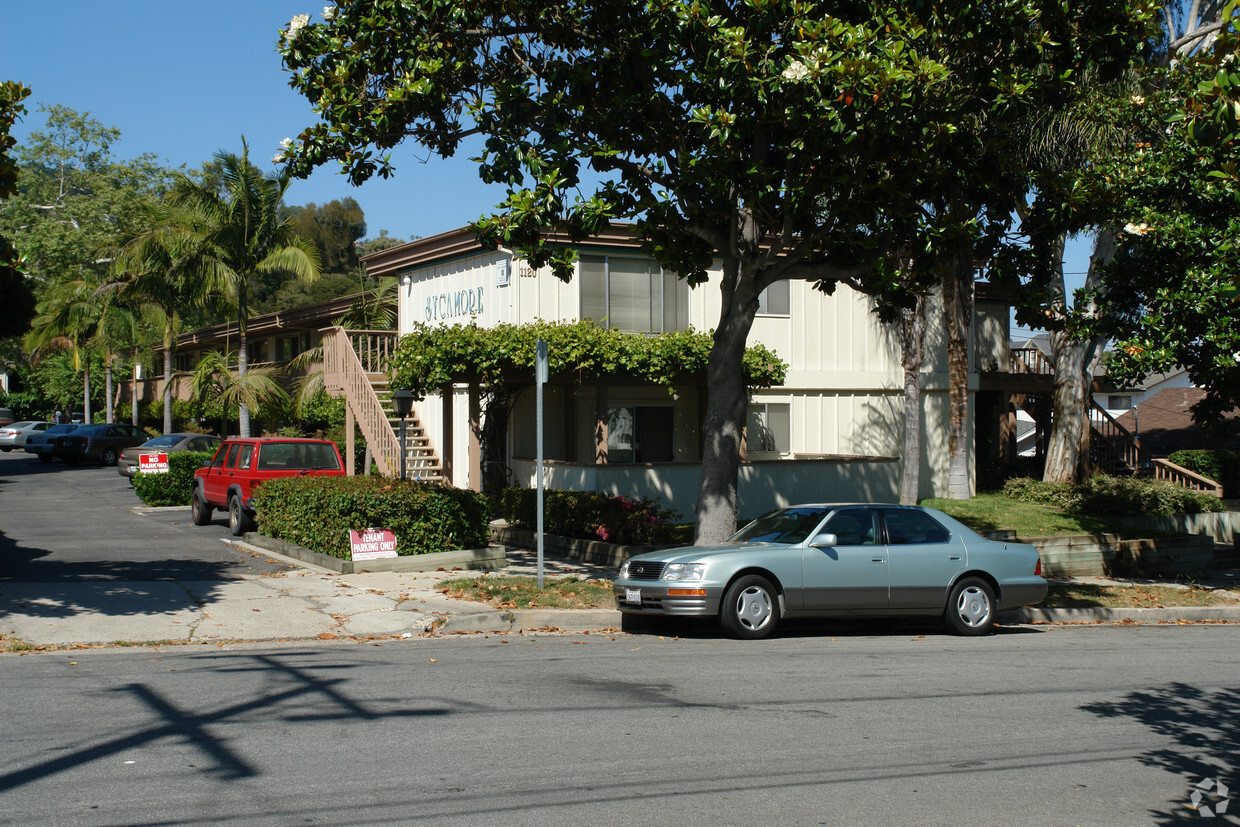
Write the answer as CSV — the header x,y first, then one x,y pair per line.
x,y
174,487
589,515
1104,496
317,513
1222,465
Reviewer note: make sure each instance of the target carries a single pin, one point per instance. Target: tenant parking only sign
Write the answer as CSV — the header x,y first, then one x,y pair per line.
x,y
372,543
153,463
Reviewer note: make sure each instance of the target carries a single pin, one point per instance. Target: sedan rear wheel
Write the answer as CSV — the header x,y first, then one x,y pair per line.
x,y
199,510
750,608
109,456
971,607
238,521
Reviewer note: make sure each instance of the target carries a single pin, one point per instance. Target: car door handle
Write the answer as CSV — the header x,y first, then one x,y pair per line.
x,y
955,557
880,560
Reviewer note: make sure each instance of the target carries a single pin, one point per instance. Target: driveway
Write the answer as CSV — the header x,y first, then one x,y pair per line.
x,y
60,523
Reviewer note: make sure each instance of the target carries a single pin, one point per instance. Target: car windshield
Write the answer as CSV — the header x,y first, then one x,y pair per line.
x,y
165,441
297,456
787,525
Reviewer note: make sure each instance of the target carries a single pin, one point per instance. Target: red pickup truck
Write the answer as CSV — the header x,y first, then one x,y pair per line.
x,y
241,465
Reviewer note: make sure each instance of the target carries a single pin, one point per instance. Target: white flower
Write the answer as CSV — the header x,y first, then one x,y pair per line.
x,y
285,143
329,13
278,158
296,25
1137,99
796,71
1136,229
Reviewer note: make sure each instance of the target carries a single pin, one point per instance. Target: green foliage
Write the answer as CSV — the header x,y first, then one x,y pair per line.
x,y
589,515
430,357
317,512
1173,299
333,228
175,487
1222,465
27,405
1103,496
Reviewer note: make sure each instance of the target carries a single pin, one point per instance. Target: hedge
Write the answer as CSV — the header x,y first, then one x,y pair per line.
x,y
590,515
175,487
317,513
1221,465
1104,496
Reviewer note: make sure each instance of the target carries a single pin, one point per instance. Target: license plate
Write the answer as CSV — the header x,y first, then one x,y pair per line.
x,y
633,596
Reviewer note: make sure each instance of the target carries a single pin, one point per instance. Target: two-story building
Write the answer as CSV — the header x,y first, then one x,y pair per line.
x,y
832,431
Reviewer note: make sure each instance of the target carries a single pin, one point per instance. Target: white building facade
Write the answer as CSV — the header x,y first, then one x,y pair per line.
x,y
832,431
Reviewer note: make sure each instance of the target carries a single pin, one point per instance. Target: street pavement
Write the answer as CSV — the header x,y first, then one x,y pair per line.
x,y
82,562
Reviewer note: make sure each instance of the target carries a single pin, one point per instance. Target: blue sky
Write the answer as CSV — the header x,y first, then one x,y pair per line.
x,y
184,80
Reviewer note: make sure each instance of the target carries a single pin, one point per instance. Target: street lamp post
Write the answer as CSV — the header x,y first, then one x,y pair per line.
x,y
402,400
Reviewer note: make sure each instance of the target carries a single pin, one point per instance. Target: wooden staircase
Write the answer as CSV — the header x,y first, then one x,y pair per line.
x,y
354,366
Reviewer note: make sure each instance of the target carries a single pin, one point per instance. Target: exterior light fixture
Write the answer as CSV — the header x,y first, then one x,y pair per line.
x,y
402,401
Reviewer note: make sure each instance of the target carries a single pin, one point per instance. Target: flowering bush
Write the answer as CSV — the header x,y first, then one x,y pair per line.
x,y
589,515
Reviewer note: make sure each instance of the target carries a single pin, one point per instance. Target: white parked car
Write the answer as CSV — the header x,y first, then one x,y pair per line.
x,y
14,435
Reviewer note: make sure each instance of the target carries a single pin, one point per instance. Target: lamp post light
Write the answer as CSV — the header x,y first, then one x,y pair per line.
x,y
402,400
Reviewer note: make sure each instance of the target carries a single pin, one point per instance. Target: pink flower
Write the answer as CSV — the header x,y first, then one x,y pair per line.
x,y
602,532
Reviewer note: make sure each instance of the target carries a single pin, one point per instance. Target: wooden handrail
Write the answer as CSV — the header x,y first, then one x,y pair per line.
x,y
1030,360
345,371
1118,441
1169,471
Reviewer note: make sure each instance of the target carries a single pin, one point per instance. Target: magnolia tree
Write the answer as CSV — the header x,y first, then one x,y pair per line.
x,y
785,139
1177,196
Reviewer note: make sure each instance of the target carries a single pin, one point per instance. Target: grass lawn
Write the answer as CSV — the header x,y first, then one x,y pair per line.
x,y
513,591
990,511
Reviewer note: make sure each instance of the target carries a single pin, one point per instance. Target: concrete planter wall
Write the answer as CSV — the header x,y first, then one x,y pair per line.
x,y
1106,555
587,551
491,558
1222,526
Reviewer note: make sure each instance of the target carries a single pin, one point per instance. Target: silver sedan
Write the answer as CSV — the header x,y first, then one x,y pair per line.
x,y
14,434
837,561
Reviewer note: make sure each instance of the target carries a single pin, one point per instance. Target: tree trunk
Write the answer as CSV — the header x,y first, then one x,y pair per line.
x,y
243,412
86,393
957,307
726,407
1067,454
107,377
912,352
167,389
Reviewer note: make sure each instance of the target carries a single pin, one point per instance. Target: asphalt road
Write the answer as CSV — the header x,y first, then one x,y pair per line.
x,y
1096,725
58,522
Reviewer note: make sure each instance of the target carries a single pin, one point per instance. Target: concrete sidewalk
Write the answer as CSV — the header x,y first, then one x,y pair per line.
x,y
306,603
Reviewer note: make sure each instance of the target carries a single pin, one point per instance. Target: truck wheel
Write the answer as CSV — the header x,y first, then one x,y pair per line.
x,y
238,521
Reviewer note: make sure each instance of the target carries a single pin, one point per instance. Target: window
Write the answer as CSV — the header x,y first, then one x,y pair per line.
x,y
1119,403
775,300
854,527
243,463
908,527
768,429
639,433
632,294
787,525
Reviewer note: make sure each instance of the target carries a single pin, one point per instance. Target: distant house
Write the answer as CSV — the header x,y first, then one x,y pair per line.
x,y
1164,423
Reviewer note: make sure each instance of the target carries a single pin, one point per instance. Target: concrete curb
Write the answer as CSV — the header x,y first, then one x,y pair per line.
x,y
600,620
1190,614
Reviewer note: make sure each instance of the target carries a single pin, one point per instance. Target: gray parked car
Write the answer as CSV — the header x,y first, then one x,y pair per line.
x,y
127,465
837,561
42,444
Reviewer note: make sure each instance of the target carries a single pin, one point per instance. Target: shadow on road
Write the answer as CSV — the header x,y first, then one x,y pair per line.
x,y
1203,727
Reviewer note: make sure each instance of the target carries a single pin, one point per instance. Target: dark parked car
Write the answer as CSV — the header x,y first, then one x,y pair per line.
x,y
6,416
837,561
241,465
127,465
98,443
41,444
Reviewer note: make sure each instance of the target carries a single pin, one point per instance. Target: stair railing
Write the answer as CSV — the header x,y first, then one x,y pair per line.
x,y
345,371
1121,446
1169,471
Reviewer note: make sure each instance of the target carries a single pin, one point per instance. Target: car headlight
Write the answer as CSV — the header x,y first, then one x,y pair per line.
x,y
684,571
624,571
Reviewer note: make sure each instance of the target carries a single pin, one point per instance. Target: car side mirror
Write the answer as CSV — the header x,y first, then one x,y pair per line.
x,y
824,540
206,463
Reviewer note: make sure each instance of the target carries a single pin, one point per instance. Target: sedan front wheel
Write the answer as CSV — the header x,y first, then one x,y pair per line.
x,y
750,608
971,607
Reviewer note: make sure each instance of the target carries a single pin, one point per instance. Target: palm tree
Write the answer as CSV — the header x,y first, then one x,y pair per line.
x,y
67,319
221,234
258,388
